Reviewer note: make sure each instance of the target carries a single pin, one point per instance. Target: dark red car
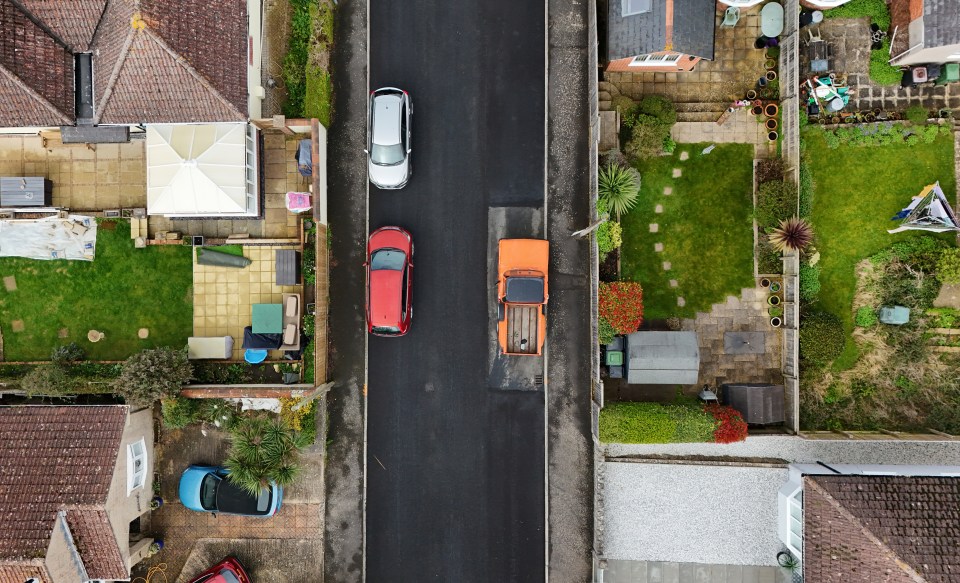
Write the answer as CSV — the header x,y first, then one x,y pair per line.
x,y
389,277
228,570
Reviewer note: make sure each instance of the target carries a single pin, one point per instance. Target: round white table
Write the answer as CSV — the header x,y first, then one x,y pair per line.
x,y
771,19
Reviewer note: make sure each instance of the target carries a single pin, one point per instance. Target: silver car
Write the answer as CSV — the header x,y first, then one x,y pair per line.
x,y
388,138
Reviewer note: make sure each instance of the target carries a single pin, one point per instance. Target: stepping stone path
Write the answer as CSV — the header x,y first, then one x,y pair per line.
x,y
143,333
666,266
658,247
95,336
658,209
17,326
667,190
674,283
63,333
10,282
677,173
681,302
684,156
654,227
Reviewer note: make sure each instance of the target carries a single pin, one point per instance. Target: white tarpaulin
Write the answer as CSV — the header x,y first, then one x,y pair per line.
x,y
197,170
74,237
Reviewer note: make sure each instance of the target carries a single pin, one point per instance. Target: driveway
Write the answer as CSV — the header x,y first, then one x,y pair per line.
x,y
455,484
284,547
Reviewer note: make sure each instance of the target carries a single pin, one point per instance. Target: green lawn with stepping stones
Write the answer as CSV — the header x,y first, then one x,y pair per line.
x,y
698,248
49,303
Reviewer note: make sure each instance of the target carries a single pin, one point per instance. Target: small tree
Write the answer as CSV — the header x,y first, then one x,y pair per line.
x,y
793,233
48,379
67,353
621,304
618,188
153,374
263,450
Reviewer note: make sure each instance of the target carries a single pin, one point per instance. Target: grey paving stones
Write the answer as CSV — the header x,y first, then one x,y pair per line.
x,y
658,247
63,333
658,209
677,173
17,326
654,227
681,302
667,190
666,266
674,283
684,156
10,282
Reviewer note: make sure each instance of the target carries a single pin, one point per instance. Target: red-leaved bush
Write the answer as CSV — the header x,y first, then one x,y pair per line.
x,y
730,424
621,304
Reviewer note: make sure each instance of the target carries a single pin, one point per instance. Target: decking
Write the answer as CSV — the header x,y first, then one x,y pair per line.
x,y
522,329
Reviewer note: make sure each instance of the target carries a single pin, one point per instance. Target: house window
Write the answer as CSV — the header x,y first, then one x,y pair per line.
x,y
795,519
657,60
631,7
136,465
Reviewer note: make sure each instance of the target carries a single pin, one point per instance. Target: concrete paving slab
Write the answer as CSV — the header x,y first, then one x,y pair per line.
x,y
10,283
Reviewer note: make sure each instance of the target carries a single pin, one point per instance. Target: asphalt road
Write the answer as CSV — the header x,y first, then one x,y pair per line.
x,y
455,487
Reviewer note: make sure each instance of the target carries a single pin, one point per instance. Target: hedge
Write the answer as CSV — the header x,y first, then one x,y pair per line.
x,y
630,422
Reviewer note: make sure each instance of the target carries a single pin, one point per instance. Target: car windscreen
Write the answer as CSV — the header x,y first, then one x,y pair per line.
x,y
208,491
227,576
237,501
525,290
392,259
386,330
386,155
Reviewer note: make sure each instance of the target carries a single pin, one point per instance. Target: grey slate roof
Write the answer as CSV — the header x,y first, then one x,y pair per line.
x,y
693,29
941,23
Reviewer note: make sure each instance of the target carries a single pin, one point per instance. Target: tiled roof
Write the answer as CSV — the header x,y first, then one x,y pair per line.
x,y
38,62
22,572
900,17
95,541
941,23
691,30
22,103
73,21
52,458
882,529
161,61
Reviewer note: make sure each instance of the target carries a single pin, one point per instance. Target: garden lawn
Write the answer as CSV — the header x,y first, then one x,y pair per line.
x,y
122,290
705,229
857,190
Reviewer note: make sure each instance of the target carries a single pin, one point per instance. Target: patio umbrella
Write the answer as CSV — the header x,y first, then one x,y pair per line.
x,y
197,169
928,211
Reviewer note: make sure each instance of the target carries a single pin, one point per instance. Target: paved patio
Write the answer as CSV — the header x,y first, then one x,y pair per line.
x,y
223,296
736,67
104,176
279,176
718,363
849,39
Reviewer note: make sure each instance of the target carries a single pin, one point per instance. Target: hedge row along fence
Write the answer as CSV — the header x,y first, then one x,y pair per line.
x,y
630,422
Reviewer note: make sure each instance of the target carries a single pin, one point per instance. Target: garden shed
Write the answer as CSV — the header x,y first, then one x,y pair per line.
x,y
663,358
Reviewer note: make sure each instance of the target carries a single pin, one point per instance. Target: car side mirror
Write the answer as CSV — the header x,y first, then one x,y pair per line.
x,y
409,150
365,151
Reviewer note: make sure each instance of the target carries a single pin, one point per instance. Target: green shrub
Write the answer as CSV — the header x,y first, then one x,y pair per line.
x,y
776,201
923,252
605,331
632,422
219,413
47,379
916,114
881,71
646,141
623,104
67,353
659,107
809,282
876,10
948,266
806,190
862,388
669,145
618,188
152,374
866,317
821,337
834,394
178,412
263,449
609,237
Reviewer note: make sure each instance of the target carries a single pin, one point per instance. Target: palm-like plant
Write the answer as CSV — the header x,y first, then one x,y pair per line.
x,y
793,233
618,187
263,450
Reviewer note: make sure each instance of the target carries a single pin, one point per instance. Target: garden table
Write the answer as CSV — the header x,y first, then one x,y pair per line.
x,y
771,20
267,318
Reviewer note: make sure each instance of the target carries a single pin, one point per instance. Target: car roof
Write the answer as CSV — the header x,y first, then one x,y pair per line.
x,y
385,290
234,500
386,119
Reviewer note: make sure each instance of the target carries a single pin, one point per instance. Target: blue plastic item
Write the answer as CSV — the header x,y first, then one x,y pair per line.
x,y
254,355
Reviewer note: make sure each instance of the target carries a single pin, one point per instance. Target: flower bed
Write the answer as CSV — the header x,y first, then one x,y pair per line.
x,y
631,422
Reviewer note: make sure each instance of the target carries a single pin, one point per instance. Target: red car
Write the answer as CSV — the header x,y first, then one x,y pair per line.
x,y
389,277
228,570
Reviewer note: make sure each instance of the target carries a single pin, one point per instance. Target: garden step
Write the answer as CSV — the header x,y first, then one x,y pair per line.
x,y
945,348
604,96
605,106
947,331
608,87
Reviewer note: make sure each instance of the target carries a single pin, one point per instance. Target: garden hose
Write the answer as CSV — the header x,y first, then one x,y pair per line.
x,y
159,569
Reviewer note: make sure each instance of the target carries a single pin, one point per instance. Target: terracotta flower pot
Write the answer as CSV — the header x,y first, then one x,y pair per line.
x,y
757,110
771,123
771,75
771,109
751,95
764,282
769,64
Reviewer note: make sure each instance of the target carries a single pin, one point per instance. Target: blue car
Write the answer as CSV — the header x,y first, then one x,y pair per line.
x,y
206,489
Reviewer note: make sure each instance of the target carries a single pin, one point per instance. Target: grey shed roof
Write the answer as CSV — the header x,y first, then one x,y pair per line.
x,y
941,22
663,358
759,404
693,29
